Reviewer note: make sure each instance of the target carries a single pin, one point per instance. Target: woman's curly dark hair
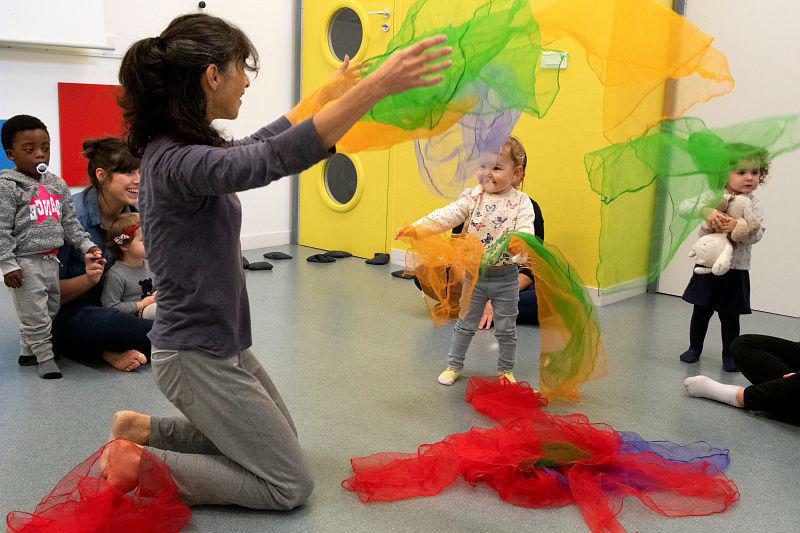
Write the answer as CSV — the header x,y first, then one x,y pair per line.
x,y
161,76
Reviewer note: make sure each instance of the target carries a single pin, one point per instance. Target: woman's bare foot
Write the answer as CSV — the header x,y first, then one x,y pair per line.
x,y
120,463
126,361
132,426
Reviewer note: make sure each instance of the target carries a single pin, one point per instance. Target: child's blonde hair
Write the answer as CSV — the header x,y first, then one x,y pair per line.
x,y
516,152
121,233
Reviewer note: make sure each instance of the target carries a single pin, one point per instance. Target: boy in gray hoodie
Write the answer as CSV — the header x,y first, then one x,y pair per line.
x,y
36,216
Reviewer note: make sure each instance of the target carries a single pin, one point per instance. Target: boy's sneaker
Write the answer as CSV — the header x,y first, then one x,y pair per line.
x,y
507,374
449,376
26,360
48,369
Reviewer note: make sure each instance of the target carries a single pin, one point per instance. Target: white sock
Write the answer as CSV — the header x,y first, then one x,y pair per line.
x,y
704,387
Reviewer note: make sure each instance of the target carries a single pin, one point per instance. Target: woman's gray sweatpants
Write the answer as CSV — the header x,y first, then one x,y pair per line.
x,y
238,444
501,286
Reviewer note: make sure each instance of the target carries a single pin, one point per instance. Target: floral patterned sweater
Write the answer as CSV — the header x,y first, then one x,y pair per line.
x,y
485,215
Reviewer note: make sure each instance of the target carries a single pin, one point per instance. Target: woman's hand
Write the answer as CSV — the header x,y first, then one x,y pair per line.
x,y
488,316
343,78
94,265
341,70
405,68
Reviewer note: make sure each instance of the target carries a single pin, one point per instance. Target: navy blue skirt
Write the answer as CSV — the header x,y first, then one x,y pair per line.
x,y
728,294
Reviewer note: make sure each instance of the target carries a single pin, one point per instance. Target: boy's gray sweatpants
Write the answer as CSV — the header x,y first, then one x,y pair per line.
x,y
501,286
238,444
37,302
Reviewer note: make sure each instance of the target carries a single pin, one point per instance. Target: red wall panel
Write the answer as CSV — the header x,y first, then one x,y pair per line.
x,y
85,111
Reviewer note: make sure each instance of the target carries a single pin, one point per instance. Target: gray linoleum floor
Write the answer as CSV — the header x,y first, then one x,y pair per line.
x,y
356,359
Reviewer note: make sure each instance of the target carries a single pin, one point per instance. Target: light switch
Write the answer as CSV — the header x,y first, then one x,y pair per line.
x,y
554,59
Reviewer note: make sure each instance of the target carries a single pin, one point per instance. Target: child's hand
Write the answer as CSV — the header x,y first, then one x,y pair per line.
x,y
516,246
728,223
416,231
13,279
146,301
488,316
406,231
715,220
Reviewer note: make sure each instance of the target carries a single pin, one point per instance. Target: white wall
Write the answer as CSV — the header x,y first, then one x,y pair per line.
x,y
760,41
28,84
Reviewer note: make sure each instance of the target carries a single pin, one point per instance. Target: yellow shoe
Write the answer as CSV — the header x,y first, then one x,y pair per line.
x,y
449,376
509,375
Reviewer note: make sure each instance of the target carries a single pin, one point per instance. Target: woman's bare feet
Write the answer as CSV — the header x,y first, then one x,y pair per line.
x,y
126,361
131,426
120,464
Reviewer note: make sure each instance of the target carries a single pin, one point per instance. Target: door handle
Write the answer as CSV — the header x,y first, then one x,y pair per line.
x,y
385,13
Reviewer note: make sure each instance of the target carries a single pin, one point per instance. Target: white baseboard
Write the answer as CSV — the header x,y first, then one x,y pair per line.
x,y
265,240
617,293
398,257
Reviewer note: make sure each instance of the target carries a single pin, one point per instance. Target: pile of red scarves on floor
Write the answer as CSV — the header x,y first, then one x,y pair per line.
x,y
535,459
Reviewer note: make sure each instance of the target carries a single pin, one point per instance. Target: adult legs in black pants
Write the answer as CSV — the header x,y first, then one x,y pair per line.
x,y
89,333
528,307
765,361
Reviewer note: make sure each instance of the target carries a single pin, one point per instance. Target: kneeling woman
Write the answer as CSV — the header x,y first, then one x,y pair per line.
x,y
236,443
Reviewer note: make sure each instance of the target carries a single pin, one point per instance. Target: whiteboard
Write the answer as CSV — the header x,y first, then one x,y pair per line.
x,y
29,84
71,23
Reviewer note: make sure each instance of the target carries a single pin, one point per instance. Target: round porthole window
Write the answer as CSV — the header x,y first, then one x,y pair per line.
x,y
341,179
345,33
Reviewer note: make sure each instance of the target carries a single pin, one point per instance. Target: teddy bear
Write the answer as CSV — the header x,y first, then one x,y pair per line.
x,y
741,208
147,287
713,252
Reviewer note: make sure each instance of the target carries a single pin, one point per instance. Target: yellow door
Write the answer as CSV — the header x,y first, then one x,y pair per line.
x,y
343,201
